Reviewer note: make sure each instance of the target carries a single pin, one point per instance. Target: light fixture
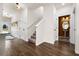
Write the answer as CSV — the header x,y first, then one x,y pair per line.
x,y
18,6
63,19
67,19
63,4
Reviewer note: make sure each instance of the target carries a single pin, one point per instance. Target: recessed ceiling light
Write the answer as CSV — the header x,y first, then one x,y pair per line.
x,y
63,4
18,6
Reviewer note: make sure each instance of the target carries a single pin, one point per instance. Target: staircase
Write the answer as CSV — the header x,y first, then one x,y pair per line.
x,y
32,39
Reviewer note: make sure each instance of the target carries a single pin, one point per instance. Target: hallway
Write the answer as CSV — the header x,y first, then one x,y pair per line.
x,y
34,29
18,47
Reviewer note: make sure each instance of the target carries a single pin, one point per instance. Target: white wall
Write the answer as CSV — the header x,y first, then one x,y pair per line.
x,y
20,30
77,29
11,10
45,31
34,16
22,24
1,7
1,15
49,33
45,28
4,20
68,10
40,28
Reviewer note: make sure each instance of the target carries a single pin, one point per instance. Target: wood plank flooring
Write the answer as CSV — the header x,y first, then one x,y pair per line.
x,y
18,47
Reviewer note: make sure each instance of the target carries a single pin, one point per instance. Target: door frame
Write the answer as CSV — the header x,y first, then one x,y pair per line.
x,y
69,24
71,15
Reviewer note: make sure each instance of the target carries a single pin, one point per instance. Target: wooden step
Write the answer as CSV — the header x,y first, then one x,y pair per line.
x,y
34,34
32,40
33,37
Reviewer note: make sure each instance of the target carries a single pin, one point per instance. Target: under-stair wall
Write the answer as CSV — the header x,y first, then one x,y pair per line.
x,y
45,28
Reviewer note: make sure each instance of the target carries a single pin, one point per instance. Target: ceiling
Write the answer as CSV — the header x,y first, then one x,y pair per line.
x,y
60,5
32,5
57,5
36,5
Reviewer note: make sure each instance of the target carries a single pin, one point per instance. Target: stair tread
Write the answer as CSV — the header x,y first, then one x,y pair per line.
x,y
33,38
32,41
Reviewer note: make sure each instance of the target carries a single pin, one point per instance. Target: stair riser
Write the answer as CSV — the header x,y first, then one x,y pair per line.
x,y
33,38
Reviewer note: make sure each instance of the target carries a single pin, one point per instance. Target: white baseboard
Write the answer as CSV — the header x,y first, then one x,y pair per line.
x,y
76,51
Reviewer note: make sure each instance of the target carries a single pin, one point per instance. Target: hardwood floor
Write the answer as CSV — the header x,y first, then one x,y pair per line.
x,y
65,39
18,47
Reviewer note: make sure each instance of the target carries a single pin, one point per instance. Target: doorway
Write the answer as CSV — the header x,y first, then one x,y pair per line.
x,y
64,28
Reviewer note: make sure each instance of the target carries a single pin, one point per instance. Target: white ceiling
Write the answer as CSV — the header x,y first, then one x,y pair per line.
x,y
36,5
57,5
32,5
